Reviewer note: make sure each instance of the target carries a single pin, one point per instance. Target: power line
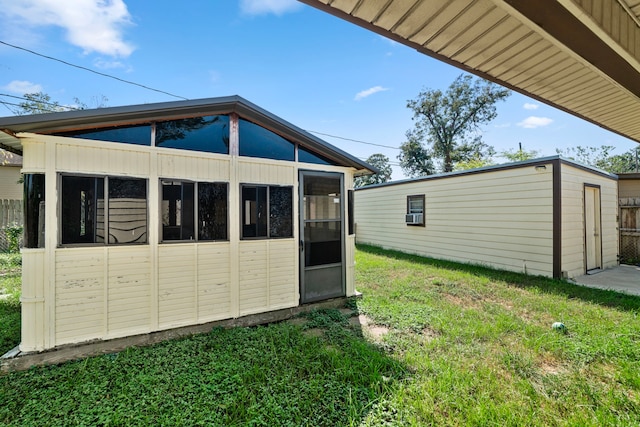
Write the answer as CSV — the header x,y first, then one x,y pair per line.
x,y
354,140
54,104
93,71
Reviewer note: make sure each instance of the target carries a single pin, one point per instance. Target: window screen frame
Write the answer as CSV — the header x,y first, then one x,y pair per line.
x,y
421,198
105,194
196,219
267,212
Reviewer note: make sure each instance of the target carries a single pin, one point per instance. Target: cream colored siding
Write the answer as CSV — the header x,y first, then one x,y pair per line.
x,y
34,155
214,282
75,294
80,294
9,187
34,282
193,166
501,218
102,158
129,291
573,226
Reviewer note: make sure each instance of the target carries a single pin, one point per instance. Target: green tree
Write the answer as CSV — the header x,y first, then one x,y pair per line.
x,y
40,103
602,158
519,155
415,159
473,164
380,162
447,125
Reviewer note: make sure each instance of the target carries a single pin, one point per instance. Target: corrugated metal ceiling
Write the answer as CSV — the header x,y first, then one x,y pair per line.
x,y
582,56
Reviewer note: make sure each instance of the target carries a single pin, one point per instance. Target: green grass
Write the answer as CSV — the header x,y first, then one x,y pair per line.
x,y
10,281
466,345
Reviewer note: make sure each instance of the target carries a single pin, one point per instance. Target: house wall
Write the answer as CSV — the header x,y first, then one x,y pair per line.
x,y
629,185
501,218
75,294
9,187
573,181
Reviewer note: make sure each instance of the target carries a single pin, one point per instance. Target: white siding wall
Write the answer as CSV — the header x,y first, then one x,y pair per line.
x,y
573,227
75,294
499,218
9,187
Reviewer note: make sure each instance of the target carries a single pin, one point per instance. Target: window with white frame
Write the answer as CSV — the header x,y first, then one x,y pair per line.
x,y
415,210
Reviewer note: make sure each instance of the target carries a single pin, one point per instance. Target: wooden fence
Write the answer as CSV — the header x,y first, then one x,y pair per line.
x,y
10,216
630,230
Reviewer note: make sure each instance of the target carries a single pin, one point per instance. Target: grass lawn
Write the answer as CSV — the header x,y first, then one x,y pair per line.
x,y
430,343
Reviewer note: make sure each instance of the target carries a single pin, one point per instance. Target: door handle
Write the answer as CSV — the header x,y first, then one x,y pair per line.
x,y
301,245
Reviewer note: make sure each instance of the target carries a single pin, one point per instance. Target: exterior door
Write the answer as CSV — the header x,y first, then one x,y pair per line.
x,y
322,273
592,232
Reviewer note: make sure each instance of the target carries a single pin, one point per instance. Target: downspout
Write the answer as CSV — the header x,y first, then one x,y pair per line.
x,y
557,219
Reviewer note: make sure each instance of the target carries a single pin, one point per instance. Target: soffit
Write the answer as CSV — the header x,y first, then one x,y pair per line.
x,y
581,56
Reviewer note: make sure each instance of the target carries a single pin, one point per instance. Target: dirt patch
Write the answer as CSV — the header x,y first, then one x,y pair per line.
x,y
377,332
429,334
314,332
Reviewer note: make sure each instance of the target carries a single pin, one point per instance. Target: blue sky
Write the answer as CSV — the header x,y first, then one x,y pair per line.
x,y
316,71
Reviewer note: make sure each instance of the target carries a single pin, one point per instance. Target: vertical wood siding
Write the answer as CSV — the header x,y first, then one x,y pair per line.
x,y
573,231
34,155
499,218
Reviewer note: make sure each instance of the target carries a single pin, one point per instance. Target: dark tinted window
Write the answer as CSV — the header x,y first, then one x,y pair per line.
x,y
210,134
139,135
212,211
177,210
256,141
280,212
82,209
34,210
307,156
254,211
127,210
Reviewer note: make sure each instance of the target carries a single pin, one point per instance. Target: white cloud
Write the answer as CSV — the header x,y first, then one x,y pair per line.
x,y
22,86
363,94
263,7
107,65
530,106
93,25
533,122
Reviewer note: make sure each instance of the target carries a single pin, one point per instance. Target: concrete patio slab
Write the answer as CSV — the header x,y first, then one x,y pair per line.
x,y
623,278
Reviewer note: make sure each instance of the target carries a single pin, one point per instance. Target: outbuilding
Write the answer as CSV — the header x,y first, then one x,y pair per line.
x,y
549,216
151,217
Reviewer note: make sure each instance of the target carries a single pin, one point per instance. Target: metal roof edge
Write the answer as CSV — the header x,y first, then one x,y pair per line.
x,y
493,168
112,116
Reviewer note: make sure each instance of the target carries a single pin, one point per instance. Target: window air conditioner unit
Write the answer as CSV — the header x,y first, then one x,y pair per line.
x,y
415,218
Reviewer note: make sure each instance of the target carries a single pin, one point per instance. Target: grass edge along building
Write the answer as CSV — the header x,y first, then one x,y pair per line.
x,y
151,217
548,216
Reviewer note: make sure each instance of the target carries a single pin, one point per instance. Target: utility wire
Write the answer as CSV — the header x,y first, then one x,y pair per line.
x,y
353,140
148,88
53,104
93,71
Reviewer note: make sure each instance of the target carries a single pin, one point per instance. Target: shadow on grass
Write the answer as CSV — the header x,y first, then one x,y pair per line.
x,y
563,288
278,374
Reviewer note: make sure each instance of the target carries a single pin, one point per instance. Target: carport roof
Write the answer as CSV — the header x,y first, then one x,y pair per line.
x,y
581,56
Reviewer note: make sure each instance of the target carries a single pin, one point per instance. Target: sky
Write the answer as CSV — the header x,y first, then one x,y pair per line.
x,y
346,85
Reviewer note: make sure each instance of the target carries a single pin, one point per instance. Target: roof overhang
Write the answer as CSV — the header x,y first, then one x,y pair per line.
x,y
67,121
580,56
